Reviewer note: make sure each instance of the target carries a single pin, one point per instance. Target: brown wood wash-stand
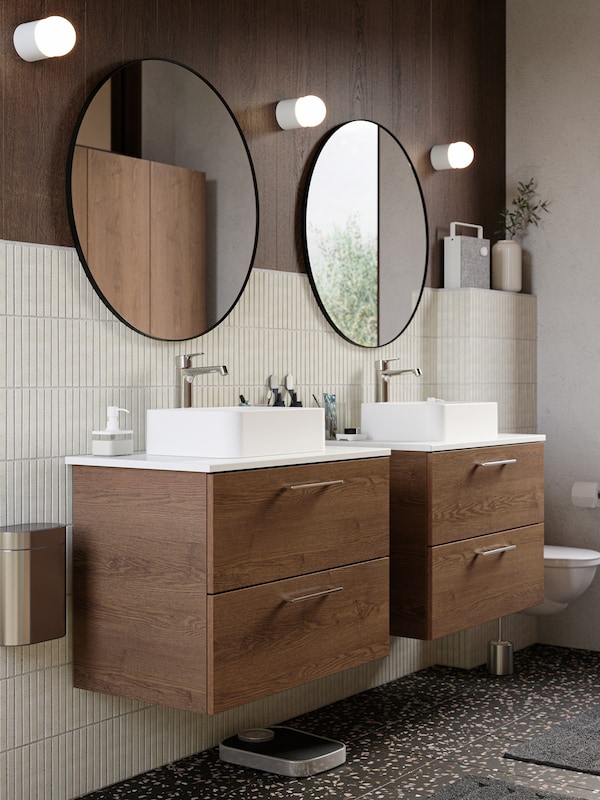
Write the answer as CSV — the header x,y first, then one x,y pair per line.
x,y
467,537
207,591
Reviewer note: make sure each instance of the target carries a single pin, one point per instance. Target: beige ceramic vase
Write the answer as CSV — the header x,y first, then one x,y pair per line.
x,y
507,273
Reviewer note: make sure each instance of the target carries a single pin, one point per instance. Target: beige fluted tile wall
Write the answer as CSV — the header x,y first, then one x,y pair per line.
x,y
64,358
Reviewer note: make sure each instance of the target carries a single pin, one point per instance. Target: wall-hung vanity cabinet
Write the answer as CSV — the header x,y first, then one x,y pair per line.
x,y
207,590
467,536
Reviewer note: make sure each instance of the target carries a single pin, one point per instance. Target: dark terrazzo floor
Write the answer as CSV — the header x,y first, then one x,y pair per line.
x,y
411,737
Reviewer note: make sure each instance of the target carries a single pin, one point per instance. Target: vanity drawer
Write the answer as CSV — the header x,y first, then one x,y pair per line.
x,y
480,579
269,638
269,524
483,490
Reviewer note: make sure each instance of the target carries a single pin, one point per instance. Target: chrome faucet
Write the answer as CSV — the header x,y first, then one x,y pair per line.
x,y
383,375
185,375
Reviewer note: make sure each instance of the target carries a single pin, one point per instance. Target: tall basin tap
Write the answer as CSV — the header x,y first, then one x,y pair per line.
x,y
382,377
185,374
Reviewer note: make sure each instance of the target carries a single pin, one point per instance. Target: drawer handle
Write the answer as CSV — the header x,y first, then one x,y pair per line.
x,y
317,485
495,550
497,463
314,595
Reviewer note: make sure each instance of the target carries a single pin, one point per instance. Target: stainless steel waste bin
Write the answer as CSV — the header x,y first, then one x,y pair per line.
x,y
32,583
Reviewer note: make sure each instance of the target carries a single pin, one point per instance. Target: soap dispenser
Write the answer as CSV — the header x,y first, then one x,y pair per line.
x,y
112,441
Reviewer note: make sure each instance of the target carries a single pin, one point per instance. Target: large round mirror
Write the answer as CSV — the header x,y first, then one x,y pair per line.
x,y
162,199
365,233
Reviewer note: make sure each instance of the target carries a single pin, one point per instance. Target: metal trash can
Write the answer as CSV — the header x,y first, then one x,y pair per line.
x,y
32,583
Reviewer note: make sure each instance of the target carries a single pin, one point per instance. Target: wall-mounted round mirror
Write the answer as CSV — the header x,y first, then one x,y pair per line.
x,y
162,199
365,233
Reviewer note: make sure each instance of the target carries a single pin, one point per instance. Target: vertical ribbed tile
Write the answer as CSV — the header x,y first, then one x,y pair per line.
x,y
64,357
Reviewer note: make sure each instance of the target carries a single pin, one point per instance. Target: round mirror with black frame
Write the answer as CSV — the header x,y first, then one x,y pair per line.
x,y
365,233
162,199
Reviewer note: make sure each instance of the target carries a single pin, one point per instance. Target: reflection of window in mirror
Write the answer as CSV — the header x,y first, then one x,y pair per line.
x,y
344,248
365,233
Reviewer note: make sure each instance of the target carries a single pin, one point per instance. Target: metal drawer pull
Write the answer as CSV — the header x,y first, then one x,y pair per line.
x,y
495,550
314,595
497,463
315,485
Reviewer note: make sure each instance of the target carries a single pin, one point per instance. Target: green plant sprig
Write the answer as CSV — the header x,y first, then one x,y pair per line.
x,y
524,210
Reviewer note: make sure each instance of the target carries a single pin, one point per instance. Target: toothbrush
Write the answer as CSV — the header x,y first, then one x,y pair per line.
x,y
271,382
274,393
289,385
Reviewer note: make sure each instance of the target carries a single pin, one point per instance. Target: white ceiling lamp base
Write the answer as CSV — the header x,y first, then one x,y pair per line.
x,y
44,38
300,112
456,155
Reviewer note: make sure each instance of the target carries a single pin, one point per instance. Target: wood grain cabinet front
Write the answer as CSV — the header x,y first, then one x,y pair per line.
x,y
467,537
207,591
267,638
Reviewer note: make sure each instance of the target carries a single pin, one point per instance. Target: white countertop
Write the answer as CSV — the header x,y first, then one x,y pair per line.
x,y
332,452
341,451
434,447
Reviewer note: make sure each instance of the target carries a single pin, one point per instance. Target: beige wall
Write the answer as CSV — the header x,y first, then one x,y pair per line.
x,y
553,120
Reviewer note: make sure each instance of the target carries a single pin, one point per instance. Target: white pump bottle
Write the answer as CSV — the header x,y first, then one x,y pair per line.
x,y
113,441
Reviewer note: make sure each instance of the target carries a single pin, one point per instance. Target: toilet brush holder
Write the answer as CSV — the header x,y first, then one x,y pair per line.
x,y
500,658
500,655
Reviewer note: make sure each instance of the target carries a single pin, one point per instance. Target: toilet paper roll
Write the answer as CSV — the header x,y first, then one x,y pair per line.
x,y
585,494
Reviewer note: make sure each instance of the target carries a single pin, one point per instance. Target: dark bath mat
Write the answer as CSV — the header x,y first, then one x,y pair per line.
x,y
492,789
574,744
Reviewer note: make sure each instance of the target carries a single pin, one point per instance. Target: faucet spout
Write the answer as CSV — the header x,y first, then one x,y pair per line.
x,y
185,375
382,377
191,372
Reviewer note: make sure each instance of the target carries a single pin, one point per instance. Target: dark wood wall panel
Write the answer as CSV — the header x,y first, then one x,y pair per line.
x,y
431,72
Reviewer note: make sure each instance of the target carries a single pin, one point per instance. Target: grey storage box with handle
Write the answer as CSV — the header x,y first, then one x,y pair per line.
x,y
32,583
466,259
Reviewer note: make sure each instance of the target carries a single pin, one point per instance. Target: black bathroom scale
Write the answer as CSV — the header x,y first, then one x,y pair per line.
x,y
283,751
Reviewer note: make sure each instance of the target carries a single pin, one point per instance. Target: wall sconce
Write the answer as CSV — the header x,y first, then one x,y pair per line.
x,y
44,38
301,112
457,155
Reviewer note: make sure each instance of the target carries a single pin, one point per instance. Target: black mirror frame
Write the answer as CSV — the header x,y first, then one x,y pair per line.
x,y
71,215
314,288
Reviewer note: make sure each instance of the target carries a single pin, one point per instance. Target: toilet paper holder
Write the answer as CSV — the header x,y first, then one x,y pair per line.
x,y
586,494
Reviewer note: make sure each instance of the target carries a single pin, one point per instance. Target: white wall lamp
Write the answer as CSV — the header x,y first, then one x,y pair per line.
x,y
44,38
457,155
300,112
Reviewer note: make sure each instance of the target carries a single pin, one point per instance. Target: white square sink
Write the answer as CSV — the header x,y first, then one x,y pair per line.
x,y
234,431
430,421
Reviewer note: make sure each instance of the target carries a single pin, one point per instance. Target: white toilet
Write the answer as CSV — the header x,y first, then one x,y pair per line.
x,y
568,571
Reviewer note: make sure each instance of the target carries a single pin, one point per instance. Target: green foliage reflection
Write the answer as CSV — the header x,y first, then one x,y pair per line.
x,y
346,280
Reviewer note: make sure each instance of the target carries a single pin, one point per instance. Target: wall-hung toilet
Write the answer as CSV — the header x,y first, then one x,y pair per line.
x,y
568,571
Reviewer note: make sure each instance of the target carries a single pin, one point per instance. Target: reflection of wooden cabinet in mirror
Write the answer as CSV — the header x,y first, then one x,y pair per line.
x,y
173,117
147,239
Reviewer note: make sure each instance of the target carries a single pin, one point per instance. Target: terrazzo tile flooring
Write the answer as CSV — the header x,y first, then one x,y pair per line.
x,y
411,737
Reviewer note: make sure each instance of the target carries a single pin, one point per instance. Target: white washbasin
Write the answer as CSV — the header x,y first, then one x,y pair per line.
x,y
430,421
234,431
